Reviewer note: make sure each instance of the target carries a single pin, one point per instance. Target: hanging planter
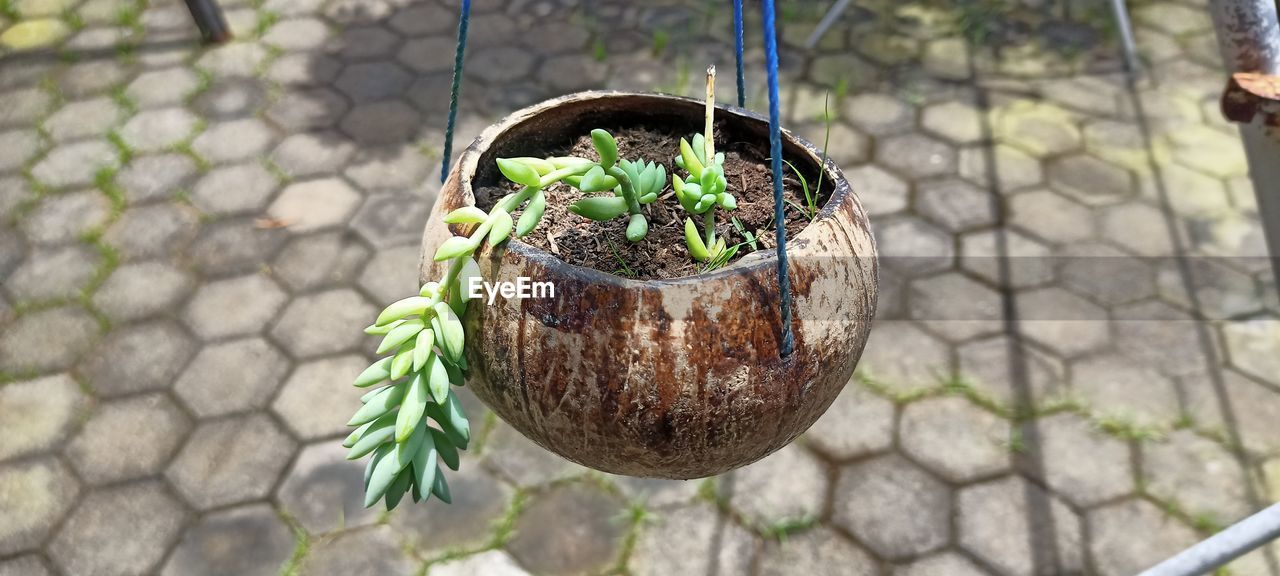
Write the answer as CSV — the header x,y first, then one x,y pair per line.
x,y
672,378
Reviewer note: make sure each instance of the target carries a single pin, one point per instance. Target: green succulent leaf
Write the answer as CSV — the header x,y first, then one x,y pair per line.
x,y
541,166
385,400
385,469
501,229
451,326
692,239
562,162
377,372
424,461
402,361
606,146
438,380
596,180
441,488
396,491
377,433
401,334
454,247
637,228
600,208
410,306
689,159
532,214
466,215
519,172
448,452
412,407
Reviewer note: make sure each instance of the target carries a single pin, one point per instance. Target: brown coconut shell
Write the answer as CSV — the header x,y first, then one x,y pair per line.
x,y
678,378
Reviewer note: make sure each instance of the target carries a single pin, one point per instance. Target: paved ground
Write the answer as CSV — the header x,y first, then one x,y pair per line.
x,y
176,362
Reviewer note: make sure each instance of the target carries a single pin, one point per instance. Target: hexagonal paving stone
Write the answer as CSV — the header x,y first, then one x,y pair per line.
x,y
913,246
233,306
692,539
234,140
426,55
321,323
25,105
1011,372
156,130
393,169
164,87
369,551
1210,151
1253,346
956,306
54,273
297,34
76,164
856,424
1090,180
392,273
893,507
1221,291
324,491
140,290
954,204
1106,275
880,192
14,192
956,122
1193,194
38,414
518,459
229,461
236,60
13,248
28,565
879,114
1133,535
588,540
1062,321
307,206
313,153
62,218
138,358
955,439
34,34
949,563
47,340
1050,216
122,530
92,77
153,177
1200,475
1117,388
309,109
128,439
1013,168
787,486
1006,257
885,366
1250,408
232,98
320,260
1041,129
374,81
251,540
1019,528
1078,462
493,562
571,73
1160,336
234,246
916,156
16,147
819,551
391,219
477,509
1137,227
387,122
303,69
318,397
83,119
241,188
231,377
34,497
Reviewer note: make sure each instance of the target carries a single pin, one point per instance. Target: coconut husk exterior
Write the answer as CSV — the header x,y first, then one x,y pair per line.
x,y
678,378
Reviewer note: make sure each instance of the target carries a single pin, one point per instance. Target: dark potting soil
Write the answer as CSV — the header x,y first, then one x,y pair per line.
x,y
662,254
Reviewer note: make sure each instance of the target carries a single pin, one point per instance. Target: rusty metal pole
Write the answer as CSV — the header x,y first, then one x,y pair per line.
x,y
209,19
1249,36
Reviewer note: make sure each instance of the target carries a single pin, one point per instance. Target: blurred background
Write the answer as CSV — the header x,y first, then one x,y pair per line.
x,y
1076,368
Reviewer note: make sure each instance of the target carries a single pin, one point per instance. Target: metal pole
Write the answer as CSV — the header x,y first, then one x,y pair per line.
x,y
1249,35
825,24
1223,547
209,19
1121,13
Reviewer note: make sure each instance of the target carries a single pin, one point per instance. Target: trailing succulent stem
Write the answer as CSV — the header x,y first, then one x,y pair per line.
x,y
704,188
424,339
633,184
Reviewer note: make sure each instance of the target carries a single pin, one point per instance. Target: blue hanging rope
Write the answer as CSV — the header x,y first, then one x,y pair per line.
x,y
737,47
463,20
775,152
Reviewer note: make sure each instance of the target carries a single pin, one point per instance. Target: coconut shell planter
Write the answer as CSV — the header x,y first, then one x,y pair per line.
x,y
659,353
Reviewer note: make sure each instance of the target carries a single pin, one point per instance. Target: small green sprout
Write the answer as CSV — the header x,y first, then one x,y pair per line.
x,y
705,187
634,184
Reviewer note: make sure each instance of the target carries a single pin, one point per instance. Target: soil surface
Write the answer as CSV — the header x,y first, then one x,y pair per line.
x,y
662,254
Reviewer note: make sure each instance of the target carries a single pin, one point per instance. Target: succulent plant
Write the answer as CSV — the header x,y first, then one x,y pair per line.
x,y
704,188
634,184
